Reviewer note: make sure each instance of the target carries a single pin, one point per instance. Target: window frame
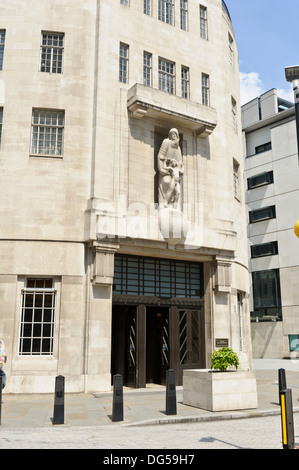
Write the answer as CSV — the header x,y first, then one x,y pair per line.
x,y
147,69
38,135
262,179
166,77
203,22
260,250
263,148
266,294
205,89
185,82
166,11
2,46
236,179
123,75
52,53
37,310
263,210
147,7
184,15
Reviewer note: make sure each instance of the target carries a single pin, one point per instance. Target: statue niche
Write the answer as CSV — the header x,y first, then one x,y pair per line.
x,y
172,223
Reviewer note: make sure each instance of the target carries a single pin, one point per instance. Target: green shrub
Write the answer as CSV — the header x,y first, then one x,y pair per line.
x,y
224,358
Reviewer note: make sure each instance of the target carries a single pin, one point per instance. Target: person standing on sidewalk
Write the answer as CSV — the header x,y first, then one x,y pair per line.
x,y
3,359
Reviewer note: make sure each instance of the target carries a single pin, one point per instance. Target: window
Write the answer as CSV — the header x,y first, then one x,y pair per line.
x,y
37,318
203,16
265,249
47,132
263,148
260,180
185,82
234,114
205,89
136,275
147,7
184,14
1,119
147,69
262,214
166,11
52,52
230,49
236,179
2,44
123,63
266,294
166,76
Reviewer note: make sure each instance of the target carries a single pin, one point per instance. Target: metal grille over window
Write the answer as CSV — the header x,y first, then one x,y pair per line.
x,y
47,132
37,318
52,52
157,277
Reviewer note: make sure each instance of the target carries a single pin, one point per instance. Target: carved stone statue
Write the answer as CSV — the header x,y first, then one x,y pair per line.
x,y
171,169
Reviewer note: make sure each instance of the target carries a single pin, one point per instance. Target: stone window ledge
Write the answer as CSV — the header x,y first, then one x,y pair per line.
x,y
146,101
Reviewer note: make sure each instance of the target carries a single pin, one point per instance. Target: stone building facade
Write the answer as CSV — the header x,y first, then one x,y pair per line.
x,y
123,245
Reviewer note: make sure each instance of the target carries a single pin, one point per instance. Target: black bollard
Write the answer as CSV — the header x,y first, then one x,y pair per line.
x,y
0,397
170,393
287,422
118,402
282,383
58,417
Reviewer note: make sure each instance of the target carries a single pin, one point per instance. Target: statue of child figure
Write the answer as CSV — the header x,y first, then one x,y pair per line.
x,y
174,189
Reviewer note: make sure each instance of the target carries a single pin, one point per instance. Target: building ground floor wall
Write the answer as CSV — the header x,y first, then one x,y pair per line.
x,y
61,314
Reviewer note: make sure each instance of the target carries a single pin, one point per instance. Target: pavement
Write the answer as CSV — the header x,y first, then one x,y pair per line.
x,y
146,406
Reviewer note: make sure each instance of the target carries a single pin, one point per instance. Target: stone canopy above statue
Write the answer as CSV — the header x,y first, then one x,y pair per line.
x,y
146,101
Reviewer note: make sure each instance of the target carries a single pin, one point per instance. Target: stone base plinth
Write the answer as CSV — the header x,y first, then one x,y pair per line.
x,y
219,391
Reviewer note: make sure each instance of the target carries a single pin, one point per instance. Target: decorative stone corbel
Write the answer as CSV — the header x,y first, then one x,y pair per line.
x,y
103,263
223,276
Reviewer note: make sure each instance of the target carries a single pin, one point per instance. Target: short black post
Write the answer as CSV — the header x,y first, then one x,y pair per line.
x,y
170,393
287,422
58,417
282,383
118,401
0,397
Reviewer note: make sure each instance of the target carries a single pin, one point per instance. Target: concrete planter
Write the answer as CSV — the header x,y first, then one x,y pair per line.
x,y
219,391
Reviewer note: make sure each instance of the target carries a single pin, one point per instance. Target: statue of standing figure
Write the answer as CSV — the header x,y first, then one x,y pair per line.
x,y
171,170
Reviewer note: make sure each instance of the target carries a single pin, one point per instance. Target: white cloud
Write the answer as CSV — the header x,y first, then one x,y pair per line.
x,y
286,94
251,86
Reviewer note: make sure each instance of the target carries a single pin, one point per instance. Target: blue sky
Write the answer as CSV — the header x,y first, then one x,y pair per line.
x,y
267,38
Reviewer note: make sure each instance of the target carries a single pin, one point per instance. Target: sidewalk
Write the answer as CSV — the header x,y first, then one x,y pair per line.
x,y
144,406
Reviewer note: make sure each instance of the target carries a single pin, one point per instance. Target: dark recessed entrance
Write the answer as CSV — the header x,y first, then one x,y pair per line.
x,y
157,319
157,344
147,341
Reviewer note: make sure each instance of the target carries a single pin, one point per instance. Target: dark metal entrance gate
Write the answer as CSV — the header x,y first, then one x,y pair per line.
x,y
157,318
148,340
